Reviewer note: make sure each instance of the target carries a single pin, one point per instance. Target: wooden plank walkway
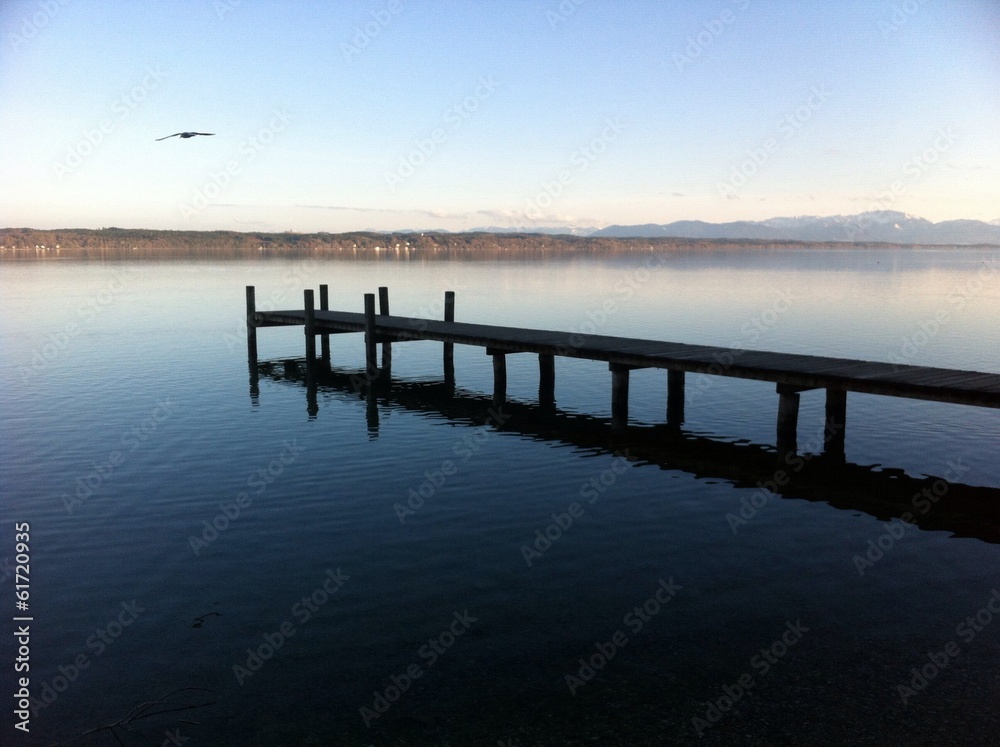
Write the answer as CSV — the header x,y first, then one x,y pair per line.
x,y
791,373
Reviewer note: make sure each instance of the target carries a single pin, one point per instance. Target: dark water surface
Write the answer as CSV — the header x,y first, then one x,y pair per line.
x,y
320,598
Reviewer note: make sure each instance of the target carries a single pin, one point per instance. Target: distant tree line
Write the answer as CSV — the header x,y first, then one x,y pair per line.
x,y
129,243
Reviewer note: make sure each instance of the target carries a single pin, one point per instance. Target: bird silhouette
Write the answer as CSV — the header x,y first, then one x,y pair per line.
x,y
184,135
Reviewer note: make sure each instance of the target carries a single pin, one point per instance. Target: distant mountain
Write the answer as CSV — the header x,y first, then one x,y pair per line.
x,y
555,230
874,226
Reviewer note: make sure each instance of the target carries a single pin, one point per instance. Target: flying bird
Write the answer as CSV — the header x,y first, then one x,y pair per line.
x,y
184,135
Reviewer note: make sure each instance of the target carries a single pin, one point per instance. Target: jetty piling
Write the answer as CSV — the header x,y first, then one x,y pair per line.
x,y
251,322
546,379
324,305
675,397
371,365
310,325
499,376
788,418
449,348
836,423
252,346
383,310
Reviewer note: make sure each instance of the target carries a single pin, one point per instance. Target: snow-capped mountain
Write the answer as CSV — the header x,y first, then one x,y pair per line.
x,y
873,226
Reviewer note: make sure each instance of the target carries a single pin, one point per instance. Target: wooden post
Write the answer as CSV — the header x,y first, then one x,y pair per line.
x,y
251,324
619,396
383,310
834,434
324,340
310,326
252,347
499,375
449,348
675,397
788,419
371,366
546,379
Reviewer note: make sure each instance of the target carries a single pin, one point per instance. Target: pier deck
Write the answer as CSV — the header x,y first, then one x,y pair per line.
x,y
793,370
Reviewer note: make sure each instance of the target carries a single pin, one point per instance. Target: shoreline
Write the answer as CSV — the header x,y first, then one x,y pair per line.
x,y
139,244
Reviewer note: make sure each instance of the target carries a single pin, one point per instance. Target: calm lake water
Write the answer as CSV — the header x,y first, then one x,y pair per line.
x,y
421,570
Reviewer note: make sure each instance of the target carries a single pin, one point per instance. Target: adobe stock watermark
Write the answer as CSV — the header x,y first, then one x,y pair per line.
x,y
120,109
761,662
435,309
141,431
299,275
430,652
921,503
31,25
451,120
463,450
635,620
901,14
257,482
365,34
579,161
929,327
224,7
624,289
786,128
590,491
562,12
750,332
86,312
248,151
938,661
301,611
97,643
753,504
706,36
913,169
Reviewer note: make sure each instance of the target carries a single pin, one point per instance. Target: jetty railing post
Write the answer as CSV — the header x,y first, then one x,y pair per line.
x,y
499,376
834,435
546,379
252,346
675,397
324,340
251,322
449,348
788,419
310,326
619,395
383,310
371,366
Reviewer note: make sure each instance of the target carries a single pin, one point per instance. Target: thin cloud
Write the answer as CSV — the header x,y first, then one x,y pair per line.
x,y
510,217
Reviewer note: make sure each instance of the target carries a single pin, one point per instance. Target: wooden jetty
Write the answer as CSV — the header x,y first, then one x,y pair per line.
x,y
791,373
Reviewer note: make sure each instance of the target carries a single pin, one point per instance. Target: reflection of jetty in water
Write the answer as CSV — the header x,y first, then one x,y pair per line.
x,y
929,502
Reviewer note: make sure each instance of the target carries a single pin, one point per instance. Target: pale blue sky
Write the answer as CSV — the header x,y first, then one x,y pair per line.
x,y
336,116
